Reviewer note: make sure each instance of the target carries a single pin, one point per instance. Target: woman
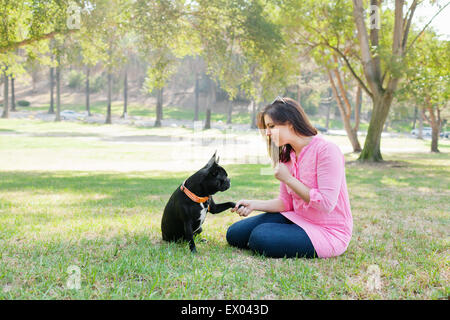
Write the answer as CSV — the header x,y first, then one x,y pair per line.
x,y
312,216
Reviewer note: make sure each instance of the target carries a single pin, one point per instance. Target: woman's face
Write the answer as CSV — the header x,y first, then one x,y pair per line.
x,y
279,134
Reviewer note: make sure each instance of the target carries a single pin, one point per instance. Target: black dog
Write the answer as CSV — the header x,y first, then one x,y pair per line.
x,y
187,207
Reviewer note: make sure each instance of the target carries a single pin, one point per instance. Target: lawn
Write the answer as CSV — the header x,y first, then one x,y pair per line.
x,y
75,195
141,110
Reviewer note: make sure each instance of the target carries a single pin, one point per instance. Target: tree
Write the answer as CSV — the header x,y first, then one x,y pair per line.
x,y
376,60
243,47
109,23
11,65
92,52
5,113
320,29
163,34
27,22
382,64
427,80
345,107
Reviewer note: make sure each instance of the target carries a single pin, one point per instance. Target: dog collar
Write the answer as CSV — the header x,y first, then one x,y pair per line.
x,y
192,196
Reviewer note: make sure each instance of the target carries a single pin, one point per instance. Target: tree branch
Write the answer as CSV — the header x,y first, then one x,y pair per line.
x,y
336,95
422,31
374,42
50,35
347,105
347,62
411,9
367,61
398,28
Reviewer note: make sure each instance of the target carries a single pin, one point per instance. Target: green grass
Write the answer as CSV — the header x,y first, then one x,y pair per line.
x,y
177,113
107,223
136,109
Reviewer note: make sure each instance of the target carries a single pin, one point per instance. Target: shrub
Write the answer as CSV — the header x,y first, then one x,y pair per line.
x,y
23,103
97,84
76,79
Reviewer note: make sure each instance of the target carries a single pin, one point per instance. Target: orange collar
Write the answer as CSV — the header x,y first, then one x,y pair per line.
x,y
192,196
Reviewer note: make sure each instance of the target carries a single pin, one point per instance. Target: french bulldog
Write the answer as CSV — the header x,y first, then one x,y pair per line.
x,y
186,209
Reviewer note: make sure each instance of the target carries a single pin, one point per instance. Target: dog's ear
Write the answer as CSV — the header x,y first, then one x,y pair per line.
x,y
212,161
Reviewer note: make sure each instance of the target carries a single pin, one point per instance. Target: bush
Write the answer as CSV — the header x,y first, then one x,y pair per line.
x,y
97,84
23,103
76,79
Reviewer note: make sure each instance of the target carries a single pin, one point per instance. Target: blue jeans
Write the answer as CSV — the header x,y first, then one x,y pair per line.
x,y
272,235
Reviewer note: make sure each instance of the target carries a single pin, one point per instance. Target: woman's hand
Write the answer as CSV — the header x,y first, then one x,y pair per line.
x,y
282,172
247,206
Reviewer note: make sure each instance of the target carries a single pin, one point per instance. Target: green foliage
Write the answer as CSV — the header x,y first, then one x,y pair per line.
x,y
23,103
75,79
161,32
97,84
428,72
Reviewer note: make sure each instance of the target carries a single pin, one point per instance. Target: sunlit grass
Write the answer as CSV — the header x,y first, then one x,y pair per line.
x,y
149,111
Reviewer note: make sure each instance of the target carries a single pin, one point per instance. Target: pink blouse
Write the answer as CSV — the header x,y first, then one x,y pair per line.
x,y
327,218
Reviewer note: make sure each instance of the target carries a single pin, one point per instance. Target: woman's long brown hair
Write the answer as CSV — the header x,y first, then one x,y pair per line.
x,y
283,112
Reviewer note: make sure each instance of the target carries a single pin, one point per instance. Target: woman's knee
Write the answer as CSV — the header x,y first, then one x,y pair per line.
x,y
261,239
269,239
236,235
239,232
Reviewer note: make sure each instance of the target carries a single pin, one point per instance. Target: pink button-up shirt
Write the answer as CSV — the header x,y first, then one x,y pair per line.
x,y
327,218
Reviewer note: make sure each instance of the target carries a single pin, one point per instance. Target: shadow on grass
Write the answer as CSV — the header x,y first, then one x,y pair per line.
x,y
117,187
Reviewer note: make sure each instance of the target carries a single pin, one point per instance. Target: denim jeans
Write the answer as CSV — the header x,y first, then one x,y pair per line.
x,y
272,235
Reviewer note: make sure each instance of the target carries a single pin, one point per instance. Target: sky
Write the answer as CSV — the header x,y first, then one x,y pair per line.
x,y
441,24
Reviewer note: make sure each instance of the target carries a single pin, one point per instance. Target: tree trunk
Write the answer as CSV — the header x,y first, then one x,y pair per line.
x,y
211,101
327,121
5,113
88,92
51,109
13,96
108,108
230,111
58,92
435,125
371,151
253,126
420,134
415,118
196,96
159,111
345,111
33,80
125,95
208,119
371,63
358,105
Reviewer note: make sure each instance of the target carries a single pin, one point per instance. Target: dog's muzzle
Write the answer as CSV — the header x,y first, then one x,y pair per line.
x,y
225,185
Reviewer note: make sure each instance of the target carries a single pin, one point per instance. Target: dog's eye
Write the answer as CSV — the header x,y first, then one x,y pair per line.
x,y
215,173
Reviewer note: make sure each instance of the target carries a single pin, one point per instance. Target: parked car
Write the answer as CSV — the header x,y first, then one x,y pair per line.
x,y
426,132
321,129
71,115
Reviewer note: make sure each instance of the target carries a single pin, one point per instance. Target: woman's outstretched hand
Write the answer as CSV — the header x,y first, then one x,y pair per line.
x,y
243,207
